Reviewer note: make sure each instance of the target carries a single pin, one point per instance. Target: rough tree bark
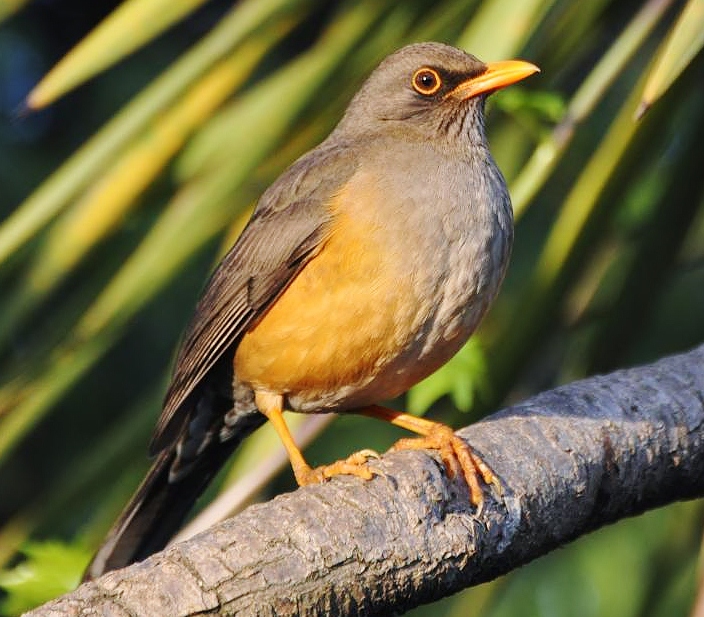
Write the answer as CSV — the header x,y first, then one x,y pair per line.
x,y
571,460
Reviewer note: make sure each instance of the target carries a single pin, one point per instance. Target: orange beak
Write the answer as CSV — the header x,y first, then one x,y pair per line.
x,y
496,76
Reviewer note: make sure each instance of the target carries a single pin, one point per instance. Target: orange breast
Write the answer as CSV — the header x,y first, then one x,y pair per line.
x,y
347,314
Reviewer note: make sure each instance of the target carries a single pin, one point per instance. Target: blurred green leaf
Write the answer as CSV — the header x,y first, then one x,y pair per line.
x,y
131,25
258,116
463,378
514,20
590,92
548,106
109,200
91,159
8,7
38,391
47,570
684,42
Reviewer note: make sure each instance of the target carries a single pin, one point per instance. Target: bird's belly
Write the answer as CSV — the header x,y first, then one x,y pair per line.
x,y
351,329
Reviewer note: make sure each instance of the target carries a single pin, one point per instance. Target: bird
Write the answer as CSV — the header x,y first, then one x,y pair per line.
x,y
364,268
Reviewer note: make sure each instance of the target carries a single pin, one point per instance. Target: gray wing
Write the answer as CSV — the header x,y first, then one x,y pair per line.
x,y
287,229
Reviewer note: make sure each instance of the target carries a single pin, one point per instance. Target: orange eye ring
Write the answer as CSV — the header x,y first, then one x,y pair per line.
x,y
426,81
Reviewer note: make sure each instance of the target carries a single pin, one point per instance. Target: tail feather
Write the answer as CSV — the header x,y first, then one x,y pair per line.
x,y
160,505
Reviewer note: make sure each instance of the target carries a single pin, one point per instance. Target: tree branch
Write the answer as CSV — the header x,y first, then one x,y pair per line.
x,y
571,460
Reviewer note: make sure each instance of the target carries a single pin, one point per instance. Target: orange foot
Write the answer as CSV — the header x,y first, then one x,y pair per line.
x,y
353,465
456,453
457,456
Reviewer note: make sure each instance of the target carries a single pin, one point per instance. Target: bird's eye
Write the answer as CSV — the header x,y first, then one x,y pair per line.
x,y
426,81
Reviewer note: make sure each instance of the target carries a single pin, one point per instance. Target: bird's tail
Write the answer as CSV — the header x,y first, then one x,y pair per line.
x,y
160,505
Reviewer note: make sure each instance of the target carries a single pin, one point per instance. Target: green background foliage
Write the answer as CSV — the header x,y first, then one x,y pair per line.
x,y
136,160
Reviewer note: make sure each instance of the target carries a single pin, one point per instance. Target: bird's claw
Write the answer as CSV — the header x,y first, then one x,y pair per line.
x,y
353,465
458,458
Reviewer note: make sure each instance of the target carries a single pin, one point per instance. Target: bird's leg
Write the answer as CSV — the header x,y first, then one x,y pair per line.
x,y
271,405
456,454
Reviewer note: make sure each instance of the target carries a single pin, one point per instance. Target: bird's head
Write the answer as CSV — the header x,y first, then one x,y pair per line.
x,y
428,90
